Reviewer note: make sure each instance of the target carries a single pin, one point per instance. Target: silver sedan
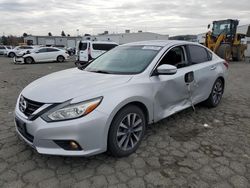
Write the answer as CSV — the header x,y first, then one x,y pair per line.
x,y
108,105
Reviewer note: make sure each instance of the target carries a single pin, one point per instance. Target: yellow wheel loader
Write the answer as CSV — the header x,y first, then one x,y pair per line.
x,y
225,41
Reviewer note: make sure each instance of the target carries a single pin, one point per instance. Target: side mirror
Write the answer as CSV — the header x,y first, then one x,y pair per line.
x,y
166,70
208,26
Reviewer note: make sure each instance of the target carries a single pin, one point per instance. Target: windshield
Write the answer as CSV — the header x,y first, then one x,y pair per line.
x,y
124,60
221,27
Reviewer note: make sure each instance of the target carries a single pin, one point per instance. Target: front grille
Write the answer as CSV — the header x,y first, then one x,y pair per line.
x,y
31,106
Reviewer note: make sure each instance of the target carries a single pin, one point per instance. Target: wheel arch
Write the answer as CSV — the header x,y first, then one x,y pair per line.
x,y
140,105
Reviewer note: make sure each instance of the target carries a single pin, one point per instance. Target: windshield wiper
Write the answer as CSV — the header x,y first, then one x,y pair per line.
x,y
100,71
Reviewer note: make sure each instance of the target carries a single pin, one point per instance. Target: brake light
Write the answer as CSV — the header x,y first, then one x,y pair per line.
x,y
226,64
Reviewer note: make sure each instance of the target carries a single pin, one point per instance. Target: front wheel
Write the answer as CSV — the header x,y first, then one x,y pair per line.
x,y
216,94
29,60
239,54
224,51
126,131
60,59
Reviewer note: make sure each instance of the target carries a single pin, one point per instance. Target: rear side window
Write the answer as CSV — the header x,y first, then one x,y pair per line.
x,y
42,50
52,50
83,45
198,54
104,47
2,48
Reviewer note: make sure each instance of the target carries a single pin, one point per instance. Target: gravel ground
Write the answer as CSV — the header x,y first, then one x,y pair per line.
x,y
206,148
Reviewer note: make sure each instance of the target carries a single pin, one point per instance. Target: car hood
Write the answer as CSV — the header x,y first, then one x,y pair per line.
x,y
65,85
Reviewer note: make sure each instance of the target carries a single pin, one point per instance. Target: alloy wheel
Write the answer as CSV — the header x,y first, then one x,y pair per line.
x,y
217,92
29,60
60,59
129,131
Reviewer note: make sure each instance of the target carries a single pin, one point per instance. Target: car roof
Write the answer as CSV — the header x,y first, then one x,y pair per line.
x,y
47,47
100,42
161,43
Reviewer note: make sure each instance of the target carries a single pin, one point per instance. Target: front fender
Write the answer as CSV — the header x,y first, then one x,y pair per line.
x,y
118,98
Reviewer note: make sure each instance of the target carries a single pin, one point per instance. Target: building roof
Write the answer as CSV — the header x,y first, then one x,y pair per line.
x,y
40,36
138,33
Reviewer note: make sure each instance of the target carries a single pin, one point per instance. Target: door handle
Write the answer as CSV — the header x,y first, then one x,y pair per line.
x,y
213,68
189,77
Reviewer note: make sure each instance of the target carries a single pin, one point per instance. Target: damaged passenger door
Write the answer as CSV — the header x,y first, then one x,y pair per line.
x,y
171,92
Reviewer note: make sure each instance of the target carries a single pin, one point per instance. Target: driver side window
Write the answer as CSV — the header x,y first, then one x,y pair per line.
x,y
175,57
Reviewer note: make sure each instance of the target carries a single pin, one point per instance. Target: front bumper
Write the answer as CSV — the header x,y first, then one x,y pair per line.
x,y
90,132
18,60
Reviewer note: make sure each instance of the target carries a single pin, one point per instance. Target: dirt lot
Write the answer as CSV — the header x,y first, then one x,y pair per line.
x,y
176,152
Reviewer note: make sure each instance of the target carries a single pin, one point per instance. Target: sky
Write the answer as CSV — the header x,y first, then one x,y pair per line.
x,y
38,17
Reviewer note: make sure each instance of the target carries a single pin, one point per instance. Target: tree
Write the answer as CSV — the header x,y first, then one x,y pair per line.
x,y
25,34
50,34
63,34
68,35
4,40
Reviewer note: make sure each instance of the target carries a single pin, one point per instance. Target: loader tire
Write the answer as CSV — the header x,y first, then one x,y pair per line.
x,y
224,51
239,56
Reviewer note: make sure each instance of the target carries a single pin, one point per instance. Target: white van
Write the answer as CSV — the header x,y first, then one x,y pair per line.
x,y
88,50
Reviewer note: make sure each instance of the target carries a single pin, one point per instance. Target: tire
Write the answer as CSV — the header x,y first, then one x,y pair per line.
x,y
77,64
239,56
60,59
124,138
216,94
29,60
224,51
12,54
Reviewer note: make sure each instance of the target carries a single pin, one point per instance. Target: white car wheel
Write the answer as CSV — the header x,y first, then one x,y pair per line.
x,y
29,60
60,59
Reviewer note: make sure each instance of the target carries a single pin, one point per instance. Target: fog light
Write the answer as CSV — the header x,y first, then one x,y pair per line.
x,y
73,145
68,144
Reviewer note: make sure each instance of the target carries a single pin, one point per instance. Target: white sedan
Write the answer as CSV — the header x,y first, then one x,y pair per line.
x,y
44,54
15,51
108,105
3,50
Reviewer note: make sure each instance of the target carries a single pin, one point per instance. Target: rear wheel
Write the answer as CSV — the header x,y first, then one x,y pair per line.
x,y
216,94
60,59
126,131
12,54
29,60
224,51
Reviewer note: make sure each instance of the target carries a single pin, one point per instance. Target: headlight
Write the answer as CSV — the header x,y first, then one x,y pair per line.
x,y
68,111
